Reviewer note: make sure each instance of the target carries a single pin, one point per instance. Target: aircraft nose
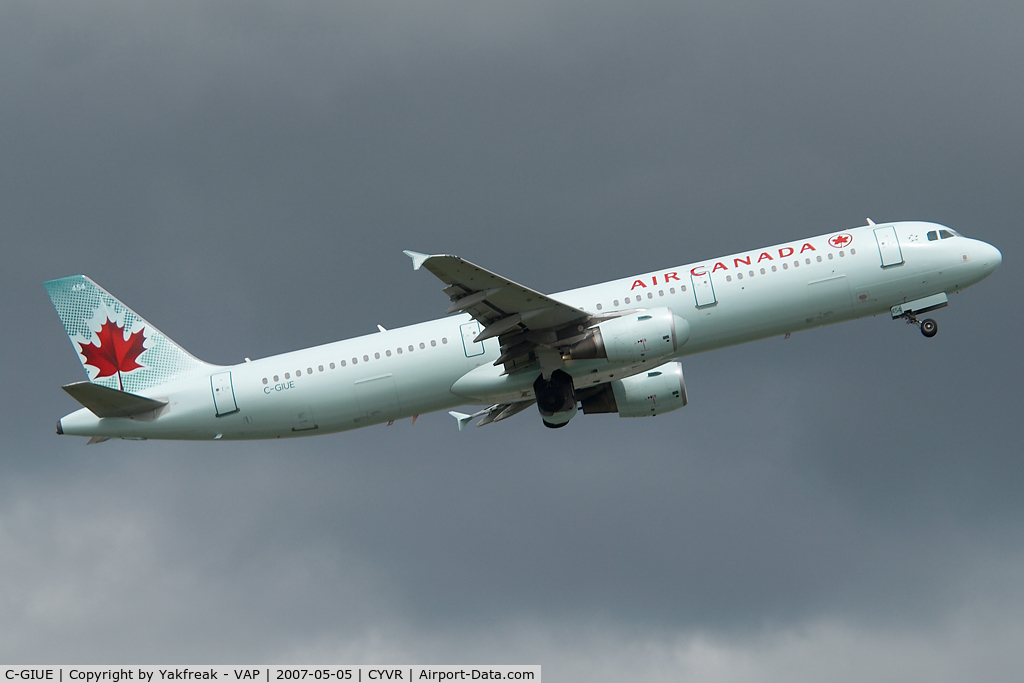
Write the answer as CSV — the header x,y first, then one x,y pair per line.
x,y
991,258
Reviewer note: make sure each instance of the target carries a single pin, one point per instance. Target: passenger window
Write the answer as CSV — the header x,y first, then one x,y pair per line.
x,y
615,303
762,271
853,252
933,235
661,292
264,380
433,343
728,278
276,379
599,307
309,371
332,366
366,359
819,259
298,373
410,348
355,361
399,349
287,376
650,295
422,345
377,355
388,353
627,299
444,340
343,363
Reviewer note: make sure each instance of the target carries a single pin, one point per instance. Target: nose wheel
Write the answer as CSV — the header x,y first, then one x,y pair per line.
x,y
929,327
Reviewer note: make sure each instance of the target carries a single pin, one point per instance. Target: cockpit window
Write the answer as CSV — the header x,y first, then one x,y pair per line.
x,y
946,234
933,235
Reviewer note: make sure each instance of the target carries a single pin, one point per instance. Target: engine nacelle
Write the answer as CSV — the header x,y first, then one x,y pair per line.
x,y
650,393
556,399
640,336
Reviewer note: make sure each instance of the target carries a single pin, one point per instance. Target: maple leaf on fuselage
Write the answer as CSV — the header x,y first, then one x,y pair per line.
x,y
113,354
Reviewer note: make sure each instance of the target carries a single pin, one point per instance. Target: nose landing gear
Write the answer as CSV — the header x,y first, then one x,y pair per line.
x,y
907,310
929,327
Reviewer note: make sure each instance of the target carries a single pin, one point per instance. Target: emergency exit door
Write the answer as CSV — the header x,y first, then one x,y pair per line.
x,y
469,333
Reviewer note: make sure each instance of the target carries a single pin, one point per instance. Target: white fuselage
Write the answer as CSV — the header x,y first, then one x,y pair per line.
x,y
436,365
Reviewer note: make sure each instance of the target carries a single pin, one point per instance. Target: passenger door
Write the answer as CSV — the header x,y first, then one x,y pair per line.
x,y
223,394
888,246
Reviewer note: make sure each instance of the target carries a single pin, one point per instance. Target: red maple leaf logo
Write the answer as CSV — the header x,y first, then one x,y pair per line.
x,y
114,354
841,240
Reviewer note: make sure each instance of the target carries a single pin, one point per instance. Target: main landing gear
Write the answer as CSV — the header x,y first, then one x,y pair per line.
x,y
929,327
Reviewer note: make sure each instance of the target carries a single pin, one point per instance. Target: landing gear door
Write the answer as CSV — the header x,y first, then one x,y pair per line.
x,y
703,290
888,246
223,394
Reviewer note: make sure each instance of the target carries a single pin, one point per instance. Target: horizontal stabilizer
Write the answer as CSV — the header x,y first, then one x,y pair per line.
x,y
106,402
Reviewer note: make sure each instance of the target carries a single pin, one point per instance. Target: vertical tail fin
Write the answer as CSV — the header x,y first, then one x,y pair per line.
x,y
118,349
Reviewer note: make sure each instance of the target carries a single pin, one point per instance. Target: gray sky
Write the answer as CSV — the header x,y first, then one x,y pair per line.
x,y
845,504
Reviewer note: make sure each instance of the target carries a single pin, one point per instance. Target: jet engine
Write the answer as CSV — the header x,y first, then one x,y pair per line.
x,y
639,336
556,399
650,393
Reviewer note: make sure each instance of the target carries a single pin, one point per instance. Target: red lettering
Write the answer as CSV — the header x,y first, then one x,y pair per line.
x,y
737,261
693,271
764,256
788,253
637,283
672,276
807,245
719,266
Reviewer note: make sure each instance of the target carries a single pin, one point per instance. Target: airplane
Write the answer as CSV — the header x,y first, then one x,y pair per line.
x,y
606,348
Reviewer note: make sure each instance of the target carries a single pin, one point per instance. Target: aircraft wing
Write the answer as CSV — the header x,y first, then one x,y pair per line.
x,y
521,317
495,413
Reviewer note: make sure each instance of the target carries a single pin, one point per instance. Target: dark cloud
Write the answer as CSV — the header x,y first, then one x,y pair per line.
x,y
246,179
